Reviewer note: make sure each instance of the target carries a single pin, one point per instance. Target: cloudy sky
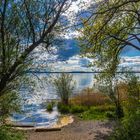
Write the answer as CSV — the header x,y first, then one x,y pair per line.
x,y
68,58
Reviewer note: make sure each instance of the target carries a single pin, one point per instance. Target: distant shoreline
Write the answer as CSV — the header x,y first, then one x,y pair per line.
x,y
73,72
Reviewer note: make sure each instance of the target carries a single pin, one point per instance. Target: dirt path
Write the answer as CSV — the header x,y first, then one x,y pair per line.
x,y
78,130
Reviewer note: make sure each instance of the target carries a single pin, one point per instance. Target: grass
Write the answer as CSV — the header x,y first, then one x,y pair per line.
x,y
88,113
89,105
7,133
98,113
73,109
78,109
92,116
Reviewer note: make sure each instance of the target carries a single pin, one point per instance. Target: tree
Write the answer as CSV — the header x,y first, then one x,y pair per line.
x,y
132,104
108,83
24,25
128,127
113,26
64,87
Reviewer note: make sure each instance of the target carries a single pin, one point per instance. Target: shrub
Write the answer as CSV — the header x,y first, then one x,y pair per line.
x,y
92,115
63,108
110,115
119,111
6,133
103,108
64,87
71,108
9,103
133,100
50,107
128,129
78,109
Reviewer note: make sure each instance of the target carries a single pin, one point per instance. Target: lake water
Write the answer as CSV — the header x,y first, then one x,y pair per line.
x,y
34,107
34,110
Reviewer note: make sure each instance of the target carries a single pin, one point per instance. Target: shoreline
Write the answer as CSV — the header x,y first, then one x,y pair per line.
x,y
62,121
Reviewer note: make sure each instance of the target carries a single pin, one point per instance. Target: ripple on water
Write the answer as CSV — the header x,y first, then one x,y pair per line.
x,y
35,115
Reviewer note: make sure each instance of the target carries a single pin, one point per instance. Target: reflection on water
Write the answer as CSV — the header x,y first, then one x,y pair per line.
x,y
44,88
83,80
36,115
34,110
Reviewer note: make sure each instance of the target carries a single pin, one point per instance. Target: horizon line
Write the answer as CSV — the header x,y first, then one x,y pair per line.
x,y
79,72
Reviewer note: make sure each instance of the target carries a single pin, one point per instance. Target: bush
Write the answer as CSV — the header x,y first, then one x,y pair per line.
x,y
104,108
64,87
63,108
50,107
71,108
128,129
119,112
9,103
129,126
110,115
78,109
92,115
6,133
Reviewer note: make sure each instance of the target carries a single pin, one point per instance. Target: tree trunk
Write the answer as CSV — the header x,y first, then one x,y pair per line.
x,y
65,101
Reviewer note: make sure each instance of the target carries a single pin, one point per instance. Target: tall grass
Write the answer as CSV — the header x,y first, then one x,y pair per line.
x,y
89,97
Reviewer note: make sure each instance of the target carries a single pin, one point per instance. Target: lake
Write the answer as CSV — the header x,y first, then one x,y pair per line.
x,y
34,110
34,107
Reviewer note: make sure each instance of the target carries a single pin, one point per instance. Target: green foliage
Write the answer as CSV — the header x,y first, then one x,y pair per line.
x,y
108,84
78,109
6,133
98,113
71,108
110,115
50,107
119,111
86,113
64,87
104,108
109,31
19,35
63,108
92,115
9,103
133,102
128,129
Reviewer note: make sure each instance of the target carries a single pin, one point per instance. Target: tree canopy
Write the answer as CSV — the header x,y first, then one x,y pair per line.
x,y
24,25
113,26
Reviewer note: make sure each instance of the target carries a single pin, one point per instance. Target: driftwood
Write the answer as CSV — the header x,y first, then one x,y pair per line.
x,y
47,129
20,125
